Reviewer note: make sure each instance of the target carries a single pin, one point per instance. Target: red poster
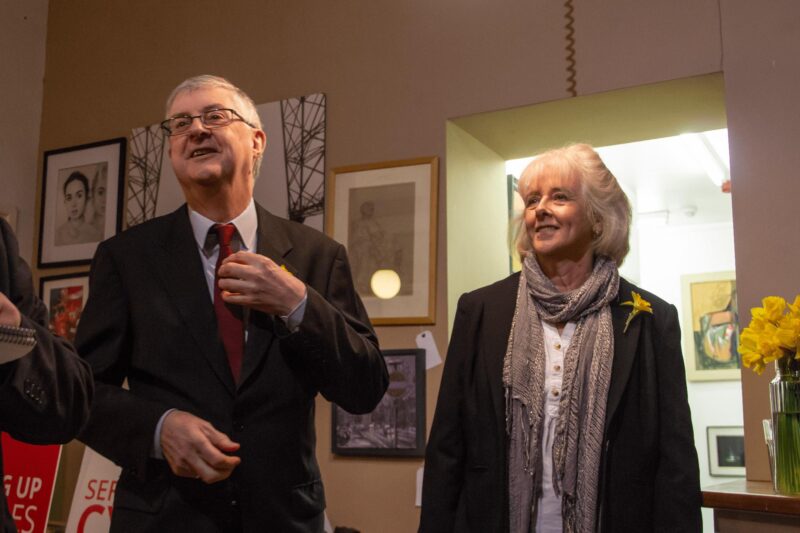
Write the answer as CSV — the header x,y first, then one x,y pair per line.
x,y
29,478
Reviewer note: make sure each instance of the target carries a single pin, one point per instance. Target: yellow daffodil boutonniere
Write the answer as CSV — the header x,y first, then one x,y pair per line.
x,y
774,332
639,304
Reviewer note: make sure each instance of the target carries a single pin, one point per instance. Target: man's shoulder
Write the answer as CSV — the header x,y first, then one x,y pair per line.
x,y
145,232
298,234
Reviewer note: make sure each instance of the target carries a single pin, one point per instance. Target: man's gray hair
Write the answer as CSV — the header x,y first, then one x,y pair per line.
x,y
244,104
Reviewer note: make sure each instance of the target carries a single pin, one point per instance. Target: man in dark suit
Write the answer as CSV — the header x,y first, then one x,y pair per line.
x,y
45,388
223,355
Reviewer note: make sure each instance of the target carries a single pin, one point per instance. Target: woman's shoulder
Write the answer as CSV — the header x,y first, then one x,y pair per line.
x,y
493,291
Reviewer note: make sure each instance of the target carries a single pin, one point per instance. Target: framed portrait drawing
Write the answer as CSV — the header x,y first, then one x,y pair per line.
x,y
396,427
726,451
81,201
65,296
385,215
710,327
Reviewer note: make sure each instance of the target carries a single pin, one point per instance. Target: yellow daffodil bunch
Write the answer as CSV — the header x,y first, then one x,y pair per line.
x,y
639,304
774,332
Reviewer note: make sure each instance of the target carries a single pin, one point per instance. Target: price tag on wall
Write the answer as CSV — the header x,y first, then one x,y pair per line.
x,y
426,342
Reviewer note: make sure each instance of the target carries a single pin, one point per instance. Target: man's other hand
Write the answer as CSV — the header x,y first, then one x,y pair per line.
x,y
193,448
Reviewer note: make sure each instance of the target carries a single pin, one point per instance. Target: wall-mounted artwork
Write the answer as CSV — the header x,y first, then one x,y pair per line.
x,y
81,201
726,451
385,214
65,296
710,327
396,427
291,183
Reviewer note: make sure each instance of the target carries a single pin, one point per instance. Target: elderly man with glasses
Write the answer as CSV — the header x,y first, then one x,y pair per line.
x,y
226,322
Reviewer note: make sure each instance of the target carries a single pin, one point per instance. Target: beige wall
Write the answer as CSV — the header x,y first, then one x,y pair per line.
x,y
23,29
396,71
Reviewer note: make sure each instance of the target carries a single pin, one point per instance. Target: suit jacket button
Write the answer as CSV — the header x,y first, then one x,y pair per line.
x,y
234,503
238,427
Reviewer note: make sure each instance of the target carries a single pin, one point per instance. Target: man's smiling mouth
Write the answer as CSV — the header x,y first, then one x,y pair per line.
x,y
201,152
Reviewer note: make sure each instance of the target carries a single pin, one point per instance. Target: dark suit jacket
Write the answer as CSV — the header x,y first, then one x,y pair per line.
x,y
44,395
150,319
649,473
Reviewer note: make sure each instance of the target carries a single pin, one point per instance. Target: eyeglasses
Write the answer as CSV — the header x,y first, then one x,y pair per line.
x,y
213,118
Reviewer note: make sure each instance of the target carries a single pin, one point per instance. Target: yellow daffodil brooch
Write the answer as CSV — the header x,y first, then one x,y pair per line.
x,y
639,305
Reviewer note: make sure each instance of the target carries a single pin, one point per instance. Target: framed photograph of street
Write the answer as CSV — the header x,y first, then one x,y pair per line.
x,y
81,201
710,327
396,427
726,451
385,215
65,297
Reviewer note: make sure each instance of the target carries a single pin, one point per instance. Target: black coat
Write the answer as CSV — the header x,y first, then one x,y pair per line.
x,y
150,319
44,395
649,479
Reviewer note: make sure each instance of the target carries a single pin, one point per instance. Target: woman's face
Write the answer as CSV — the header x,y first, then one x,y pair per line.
x,y
556,219
75,199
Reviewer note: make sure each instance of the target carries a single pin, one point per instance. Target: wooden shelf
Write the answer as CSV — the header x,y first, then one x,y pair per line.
x,y
743,495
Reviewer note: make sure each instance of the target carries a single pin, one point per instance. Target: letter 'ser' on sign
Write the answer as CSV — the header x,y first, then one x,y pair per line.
x,y
30,474
93,500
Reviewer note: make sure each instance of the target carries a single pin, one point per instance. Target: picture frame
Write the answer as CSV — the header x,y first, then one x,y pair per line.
x,y
710,326
65,297
396,427
385,214
81,202
726,451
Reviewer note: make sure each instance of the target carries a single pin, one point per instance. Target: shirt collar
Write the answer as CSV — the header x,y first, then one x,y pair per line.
x,y
246,225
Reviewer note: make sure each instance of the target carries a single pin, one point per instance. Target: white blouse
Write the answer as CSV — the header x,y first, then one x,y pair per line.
x,y
548,514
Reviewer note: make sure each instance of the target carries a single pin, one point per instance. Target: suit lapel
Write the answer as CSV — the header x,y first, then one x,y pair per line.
x,y
181,270
272,242
625,345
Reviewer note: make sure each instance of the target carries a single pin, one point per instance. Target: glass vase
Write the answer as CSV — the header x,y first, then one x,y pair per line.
x,y
784,399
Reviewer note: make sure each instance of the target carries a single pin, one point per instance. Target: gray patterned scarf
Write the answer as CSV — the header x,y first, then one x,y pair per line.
x,y
578,441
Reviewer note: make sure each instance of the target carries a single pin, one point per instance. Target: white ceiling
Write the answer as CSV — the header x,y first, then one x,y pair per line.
x,y
665,181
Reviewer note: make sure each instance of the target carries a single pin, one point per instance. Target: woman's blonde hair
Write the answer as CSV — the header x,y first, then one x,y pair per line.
x,y
607,207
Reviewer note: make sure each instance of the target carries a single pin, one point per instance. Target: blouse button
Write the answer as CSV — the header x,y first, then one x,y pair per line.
x,y
555,392
556,368
558,346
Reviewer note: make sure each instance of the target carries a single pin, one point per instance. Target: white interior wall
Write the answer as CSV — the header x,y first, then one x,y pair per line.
x,y
665,254
23,33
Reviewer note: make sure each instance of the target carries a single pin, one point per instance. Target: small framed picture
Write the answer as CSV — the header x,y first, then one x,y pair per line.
x,y
385,215
65,296
726,451
396,427
710,327
81,201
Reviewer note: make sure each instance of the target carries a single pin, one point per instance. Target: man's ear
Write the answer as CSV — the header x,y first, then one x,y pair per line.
x,y
259,142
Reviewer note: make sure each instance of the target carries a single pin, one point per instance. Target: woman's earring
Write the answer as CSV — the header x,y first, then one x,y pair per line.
x,y
597,230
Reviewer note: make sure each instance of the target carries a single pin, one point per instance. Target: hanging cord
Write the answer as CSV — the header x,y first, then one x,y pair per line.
x,y
571,72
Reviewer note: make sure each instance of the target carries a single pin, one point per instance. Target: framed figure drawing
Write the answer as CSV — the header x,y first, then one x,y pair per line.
x,y
81,201
710,327
385,215
65,296
396,427
726,450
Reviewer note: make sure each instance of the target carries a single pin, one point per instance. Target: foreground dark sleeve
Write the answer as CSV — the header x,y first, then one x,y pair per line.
x,y
677,497
45,395
337,345
445,454
122,425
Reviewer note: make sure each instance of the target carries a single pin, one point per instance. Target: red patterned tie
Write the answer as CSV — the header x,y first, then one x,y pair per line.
x,y
231,329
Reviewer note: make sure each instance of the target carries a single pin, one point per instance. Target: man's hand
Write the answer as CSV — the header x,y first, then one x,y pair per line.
x,y
257,282
193,448
9,314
